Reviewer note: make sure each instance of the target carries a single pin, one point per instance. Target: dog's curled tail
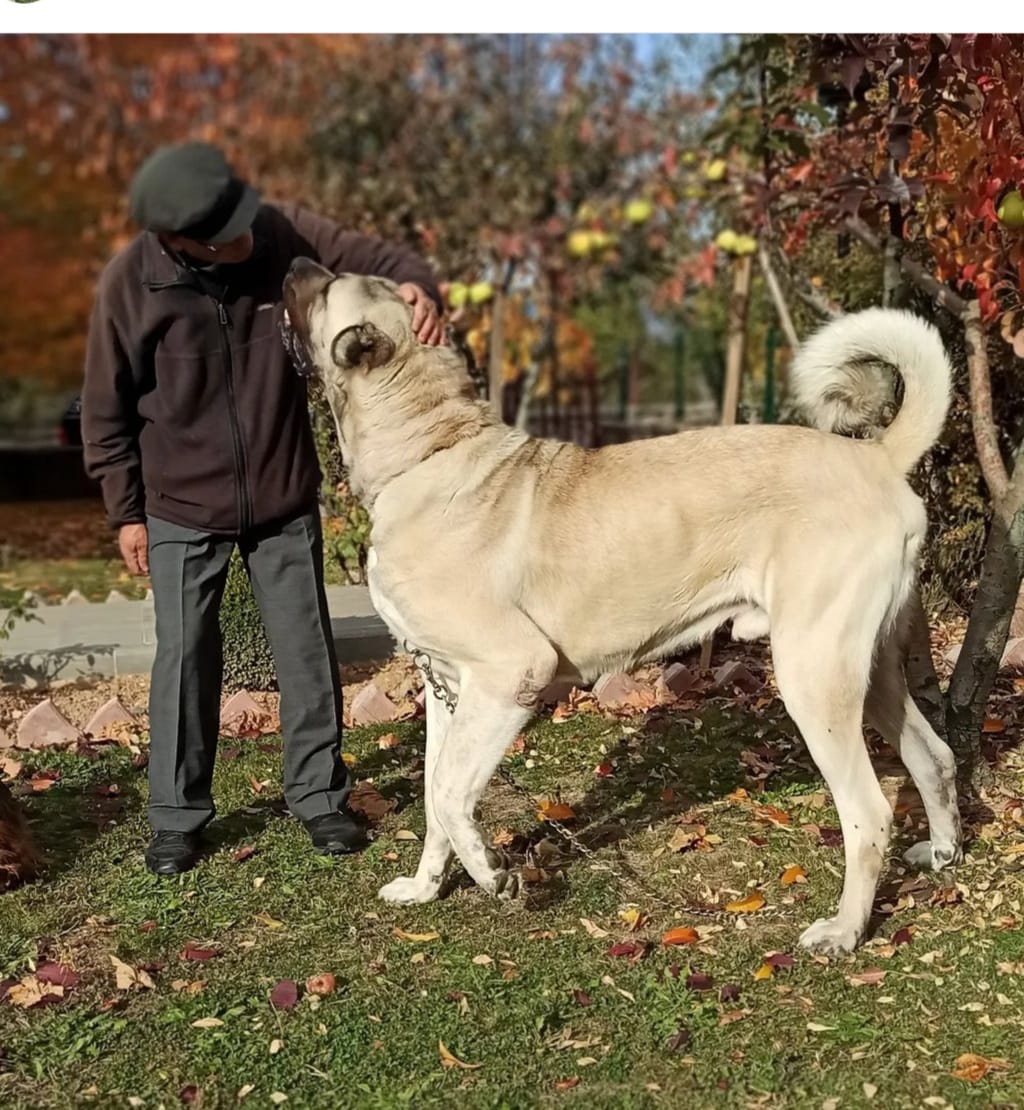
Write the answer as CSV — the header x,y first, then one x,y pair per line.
x,y
838,383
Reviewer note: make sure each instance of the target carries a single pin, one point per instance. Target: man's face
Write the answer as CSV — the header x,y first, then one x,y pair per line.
x,y
220,254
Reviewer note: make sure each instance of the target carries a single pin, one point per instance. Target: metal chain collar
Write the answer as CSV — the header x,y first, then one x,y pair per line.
x,y
627,875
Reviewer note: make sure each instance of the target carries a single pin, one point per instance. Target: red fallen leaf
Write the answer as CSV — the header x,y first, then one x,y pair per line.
x,y
604,770
699,981
321,984
244,853
683,934
43,780
730,992
668,795
831,837
367,800
60,974
567,1084
285,996
582,999
903,936
779,959
679,1041
113,1004
269,748
758,841
192,952
634,949
190,1095
674,971
147,926
772,814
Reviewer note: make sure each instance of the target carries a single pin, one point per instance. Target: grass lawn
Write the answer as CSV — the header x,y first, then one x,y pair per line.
x,y
528,995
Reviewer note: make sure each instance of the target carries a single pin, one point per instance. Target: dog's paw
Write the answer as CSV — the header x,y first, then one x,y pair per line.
x,y
830,937
927,856
505,883
408,891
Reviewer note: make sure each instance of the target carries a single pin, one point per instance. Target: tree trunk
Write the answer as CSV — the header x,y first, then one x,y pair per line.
x,y
922,680
987,629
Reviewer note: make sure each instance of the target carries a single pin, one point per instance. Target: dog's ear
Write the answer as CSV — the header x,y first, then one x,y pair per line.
x,y
362,345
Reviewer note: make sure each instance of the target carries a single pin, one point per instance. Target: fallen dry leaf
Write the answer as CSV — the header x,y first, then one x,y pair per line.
x,y
635,950
30,992
418,938
972,1069
59,974
555,811
128,978
266,919
10,768
406,834
870,978
593,930
247,851
749,904
793,875
285,995
772,815
633,918
567,1084
207,1023
42,781
993,726
321,984
448,1060
388,740
367,800
193,952
699,981
683,934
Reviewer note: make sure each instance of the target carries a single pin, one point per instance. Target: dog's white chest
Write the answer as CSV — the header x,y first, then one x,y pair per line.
x,y
389,612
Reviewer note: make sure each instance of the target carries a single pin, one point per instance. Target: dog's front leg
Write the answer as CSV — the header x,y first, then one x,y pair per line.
x,y
437,851
494,704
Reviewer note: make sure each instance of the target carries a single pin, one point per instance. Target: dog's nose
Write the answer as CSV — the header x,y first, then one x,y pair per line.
x,y
303,267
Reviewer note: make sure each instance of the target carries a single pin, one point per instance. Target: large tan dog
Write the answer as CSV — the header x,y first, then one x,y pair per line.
x,y
511,560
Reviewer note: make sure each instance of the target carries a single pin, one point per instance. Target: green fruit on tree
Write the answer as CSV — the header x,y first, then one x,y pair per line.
x,y
481,291
601,240
457,294
726,240
639,211
1011,210
580,243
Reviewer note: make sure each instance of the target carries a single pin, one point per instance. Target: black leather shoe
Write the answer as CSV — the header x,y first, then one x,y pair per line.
x,y
335,834
171,853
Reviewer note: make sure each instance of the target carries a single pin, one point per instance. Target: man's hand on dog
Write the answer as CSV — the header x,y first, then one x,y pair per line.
x,y
426,322
133,540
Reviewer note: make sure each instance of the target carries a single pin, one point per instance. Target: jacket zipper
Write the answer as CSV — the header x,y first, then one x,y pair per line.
x,y
241,468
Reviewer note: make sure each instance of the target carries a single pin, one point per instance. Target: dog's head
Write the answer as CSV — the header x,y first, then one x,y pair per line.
x,y
343,324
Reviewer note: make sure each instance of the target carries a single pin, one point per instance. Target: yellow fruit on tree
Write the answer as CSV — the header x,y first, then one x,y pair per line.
x,y
601,240
639,211
745,244
1011,210
580,243
715,171
726,240
457,294
480,292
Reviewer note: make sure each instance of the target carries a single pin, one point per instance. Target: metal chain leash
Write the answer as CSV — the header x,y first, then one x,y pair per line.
x,y
626,874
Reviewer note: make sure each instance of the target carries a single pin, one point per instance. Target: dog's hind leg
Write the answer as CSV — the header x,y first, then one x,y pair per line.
x,y
823,684
892,712
437,851
496,700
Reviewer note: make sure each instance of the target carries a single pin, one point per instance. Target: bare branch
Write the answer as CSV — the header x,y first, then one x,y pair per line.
x,y
806,292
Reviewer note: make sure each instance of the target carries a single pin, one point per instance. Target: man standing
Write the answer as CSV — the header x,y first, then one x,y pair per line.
x,y
196,425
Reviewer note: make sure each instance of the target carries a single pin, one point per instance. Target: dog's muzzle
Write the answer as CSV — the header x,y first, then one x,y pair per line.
x,y
303,364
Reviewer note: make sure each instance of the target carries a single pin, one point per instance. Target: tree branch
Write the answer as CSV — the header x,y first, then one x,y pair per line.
x,y
772,281
949,300
983,423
